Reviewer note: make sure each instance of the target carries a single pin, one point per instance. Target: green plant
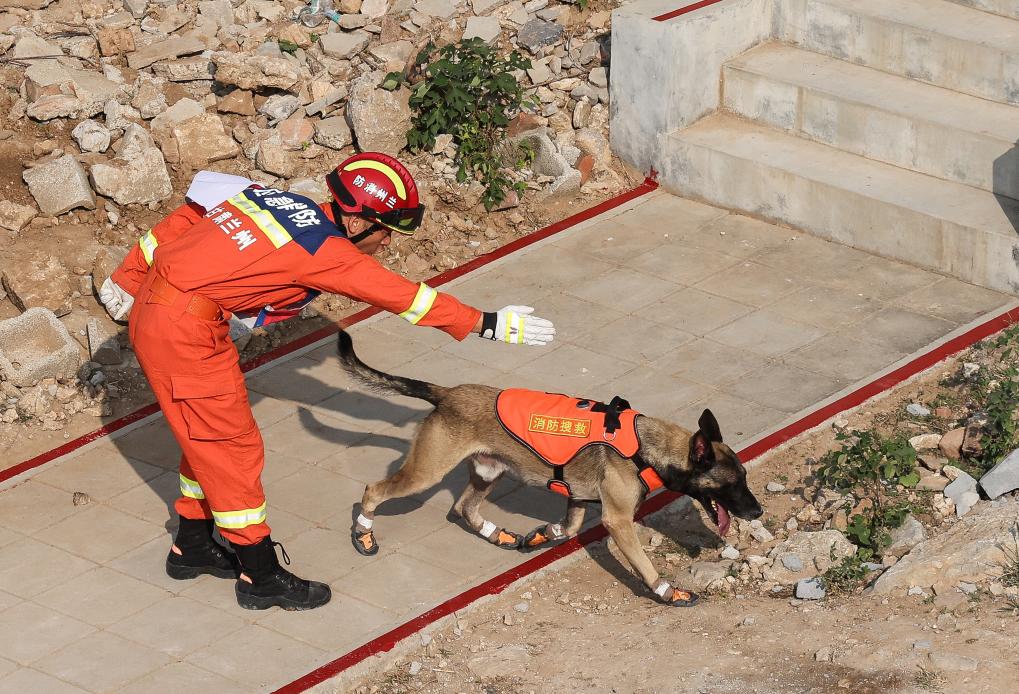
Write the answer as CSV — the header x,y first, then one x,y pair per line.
x,y
469,91
844,576
1010,570
869,467
928,680
287,46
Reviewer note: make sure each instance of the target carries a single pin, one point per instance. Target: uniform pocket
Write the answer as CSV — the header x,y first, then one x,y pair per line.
x,y
215,406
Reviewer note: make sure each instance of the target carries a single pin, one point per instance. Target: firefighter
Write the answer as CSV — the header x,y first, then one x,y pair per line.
x,y
238,249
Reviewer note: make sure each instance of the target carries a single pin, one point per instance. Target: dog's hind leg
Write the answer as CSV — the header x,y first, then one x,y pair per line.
x,y
620,498
485,472
433,453
565,529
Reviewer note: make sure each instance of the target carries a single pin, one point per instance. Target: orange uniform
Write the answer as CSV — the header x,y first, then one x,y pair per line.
x,y
261,247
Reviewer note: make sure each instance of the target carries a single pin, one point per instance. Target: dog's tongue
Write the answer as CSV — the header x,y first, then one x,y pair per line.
x,y
723,520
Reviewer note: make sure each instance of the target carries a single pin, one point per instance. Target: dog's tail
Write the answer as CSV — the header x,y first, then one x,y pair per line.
x,y
379,380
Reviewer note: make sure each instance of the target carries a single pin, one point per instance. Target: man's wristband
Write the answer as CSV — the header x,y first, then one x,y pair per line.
x,y
488,323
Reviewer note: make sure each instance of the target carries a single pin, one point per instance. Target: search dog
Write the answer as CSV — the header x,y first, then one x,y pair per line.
x,y
464,426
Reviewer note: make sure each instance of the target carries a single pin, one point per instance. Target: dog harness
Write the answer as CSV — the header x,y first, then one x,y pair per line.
x,y
556,428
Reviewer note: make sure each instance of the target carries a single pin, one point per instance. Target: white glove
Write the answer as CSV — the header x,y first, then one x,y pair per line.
x,y
115,298
516,325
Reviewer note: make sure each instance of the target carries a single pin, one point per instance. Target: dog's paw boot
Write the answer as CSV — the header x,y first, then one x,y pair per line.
x,y
364,542
683,598
542,536
505,539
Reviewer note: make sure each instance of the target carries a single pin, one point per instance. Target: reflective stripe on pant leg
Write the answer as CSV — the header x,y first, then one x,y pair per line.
x,y
236,520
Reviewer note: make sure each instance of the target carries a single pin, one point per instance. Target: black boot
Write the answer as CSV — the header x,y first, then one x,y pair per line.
x,y
200,554
271,584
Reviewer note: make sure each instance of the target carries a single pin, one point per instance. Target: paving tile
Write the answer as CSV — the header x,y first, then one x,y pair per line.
x,y
524,508
783,387
540,272
710,363
633,338
183,678
177,625
101,472
737,235
373,459
884,279
259,658
40,631
827,307
681,263
666,213
954,301
653,392
608,241
372,411
8,600
573,316
766,333
321,627
570,369
219,594
444,369
6,668
269,410
845,358
285,525
148,563
458,550
694,311
497,354
27,567
752,283
26,680
32,506
152,443
623,289
315,494
152,501
101,596
739,419
311,435
900,330
301,380
100,533
383,349
322,554
815,260
401,583
102,662
7,536
400,524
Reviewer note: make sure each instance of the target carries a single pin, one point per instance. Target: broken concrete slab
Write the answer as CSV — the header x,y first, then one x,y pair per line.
x,y
344,45
186,70
239,101
537,33
253,71
380,119
1003,477
14,217
34,346
183,110
485,28
60,185
202,140
103,347
333,133
137,175
173,47
38,281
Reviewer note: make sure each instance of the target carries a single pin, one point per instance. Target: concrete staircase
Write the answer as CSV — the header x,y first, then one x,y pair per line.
x,y
887,126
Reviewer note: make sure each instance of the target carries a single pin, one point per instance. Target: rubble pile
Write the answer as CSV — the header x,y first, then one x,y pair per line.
x,y
115,104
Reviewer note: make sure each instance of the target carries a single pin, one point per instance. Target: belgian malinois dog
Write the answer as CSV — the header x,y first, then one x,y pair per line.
x,y
464,427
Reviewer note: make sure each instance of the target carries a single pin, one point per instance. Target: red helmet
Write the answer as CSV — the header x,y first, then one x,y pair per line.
x,y
379,188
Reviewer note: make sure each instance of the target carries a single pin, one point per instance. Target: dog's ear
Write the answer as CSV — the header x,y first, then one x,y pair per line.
x,y
702,455
709,425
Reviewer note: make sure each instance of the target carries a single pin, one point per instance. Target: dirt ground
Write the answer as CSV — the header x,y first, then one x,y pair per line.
x,y
593,627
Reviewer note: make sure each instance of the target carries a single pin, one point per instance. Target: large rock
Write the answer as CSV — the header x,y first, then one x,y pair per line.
x,y
173,47
440,9
14,217
333,133
137,175
185,109
59,186
963,491
34,346
91,136
906,537
704,573
220,11
537,33
393,54
344,45
202,140
115,40
275,158
56,91
38,281
254,71
807,554
279,106
1003,477
972,550
485,28
239,101
380,119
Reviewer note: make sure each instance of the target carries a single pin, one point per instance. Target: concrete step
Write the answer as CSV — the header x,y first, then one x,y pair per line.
x,y
883,209
935,41
1005,8
877,115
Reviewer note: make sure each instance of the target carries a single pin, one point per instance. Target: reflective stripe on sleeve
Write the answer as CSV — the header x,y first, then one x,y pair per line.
x,y
148,245
421,305
191,488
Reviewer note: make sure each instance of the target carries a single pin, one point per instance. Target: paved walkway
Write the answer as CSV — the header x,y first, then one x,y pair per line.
x,y
673,304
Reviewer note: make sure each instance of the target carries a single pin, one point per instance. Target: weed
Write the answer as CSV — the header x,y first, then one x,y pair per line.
x,y
928,680
844,576
470,92
287,46
1010,570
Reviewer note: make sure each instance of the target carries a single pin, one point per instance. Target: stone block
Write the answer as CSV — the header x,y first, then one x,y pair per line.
x,y
59,186
34,346
103,346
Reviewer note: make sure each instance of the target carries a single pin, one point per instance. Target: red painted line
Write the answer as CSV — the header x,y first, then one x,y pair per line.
x,y
683,10
497,584
644,188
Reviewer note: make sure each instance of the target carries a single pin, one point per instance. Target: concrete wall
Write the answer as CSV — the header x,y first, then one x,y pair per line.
x,y
666,75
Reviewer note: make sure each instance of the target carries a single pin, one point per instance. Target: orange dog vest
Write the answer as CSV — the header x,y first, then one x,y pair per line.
x,y
557,427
